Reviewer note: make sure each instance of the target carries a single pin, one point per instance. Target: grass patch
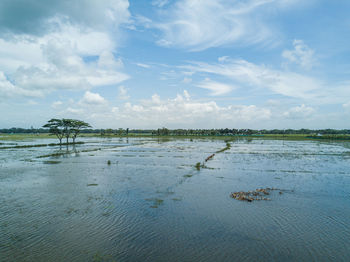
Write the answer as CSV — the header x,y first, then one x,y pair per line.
x,y
40,145
228,146
51,162
198,166
92,185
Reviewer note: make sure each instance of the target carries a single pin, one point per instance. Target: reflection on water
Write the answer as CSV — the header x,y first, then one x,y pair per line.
x,y
150,203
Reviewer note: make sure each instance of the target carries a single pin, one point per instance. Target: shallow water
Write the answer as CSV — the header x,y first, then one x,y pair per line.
x,y
151,204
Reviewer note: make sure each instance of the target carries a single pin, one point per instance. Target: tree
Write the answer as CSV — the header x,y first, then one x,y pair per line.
x,y
66,128
55,128
76,127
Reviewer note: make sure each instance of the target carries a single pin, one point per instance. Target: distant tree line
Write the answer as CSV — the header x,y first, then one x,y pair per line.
x,y
184,132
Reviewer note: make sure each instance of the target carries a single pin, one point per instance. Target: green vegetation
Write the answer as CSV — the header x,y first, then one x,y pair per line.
x,y
66,128
228,146
17,134
198,166
37,145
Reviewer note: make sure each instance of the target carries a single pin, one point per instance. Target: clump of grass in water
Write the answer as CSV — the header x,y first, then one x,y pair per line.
x,y
51,162
228,146
198,166
188,176
92,185
108,162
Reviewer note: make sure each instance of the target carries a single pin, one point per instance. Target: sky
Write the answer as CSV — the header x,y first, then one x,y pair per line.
x,y
259,64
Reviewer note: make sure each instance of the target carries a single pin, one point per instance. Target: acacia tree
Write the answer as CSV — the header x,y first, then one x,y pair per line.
x,y
76,127
66,128
55,128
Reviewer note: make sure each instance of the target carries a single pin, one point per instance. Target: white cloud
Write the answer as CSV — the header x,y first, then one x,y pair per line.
x,y
160,3
216,88
37,63
41,16
301,55
56,104
107,61
181,111
9,90
143,65
201,24
247,74
59,65
90,98
123,93
299,112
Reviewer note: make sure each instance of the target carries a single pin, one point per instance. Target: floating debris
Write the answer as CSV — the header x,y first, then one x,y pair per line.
x,y
258,194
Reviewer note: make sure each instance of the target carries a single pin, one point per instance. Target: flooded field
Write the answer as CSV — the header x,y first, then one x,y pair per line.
x,y
142,199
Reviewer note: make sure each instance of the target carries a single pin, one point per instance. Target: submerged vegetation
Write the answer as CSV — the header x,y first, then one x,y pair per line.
x,y
258,194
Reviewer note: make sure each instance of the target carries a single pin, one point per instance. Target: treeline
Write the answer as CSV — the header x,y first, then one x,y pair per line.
x,y
228,132
187,132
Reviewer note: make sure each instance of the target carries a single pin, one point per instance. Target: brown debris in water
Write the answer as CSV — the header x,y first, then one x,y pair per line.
x,y
258,194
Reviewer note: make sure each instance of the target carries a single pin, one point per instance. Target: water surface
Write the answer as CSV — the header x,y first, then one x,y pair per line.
x,y
151,204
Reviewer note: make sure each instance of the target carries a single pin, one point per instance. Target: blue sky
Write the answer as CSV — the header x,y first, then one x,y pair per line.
x,y
179,64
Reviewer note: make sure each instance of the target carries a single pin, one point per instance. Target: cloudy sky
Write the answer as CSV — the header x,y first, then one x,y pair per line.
x,y
179,64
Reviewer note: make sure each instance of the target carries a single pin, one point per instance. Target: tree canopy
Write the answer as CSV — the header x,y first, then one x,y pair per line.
x,y
66,128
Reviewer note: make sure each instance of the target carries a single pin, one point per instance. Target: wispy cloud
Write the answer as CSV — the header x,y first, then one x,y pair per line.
x,y
143,65
259,76
216,88
198,25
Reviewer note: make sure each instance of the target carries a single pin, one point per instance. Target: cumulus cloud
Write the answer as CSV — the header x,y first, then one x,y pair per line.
x,y
37,63
299,112
198,25
301,55
38,17
123,93
216,88
62,67
181,111
90,98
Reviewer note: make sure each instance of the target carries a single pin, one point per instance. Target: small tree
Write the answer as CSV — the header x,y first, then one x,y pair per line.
x,y
76,127
55,128
66,128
